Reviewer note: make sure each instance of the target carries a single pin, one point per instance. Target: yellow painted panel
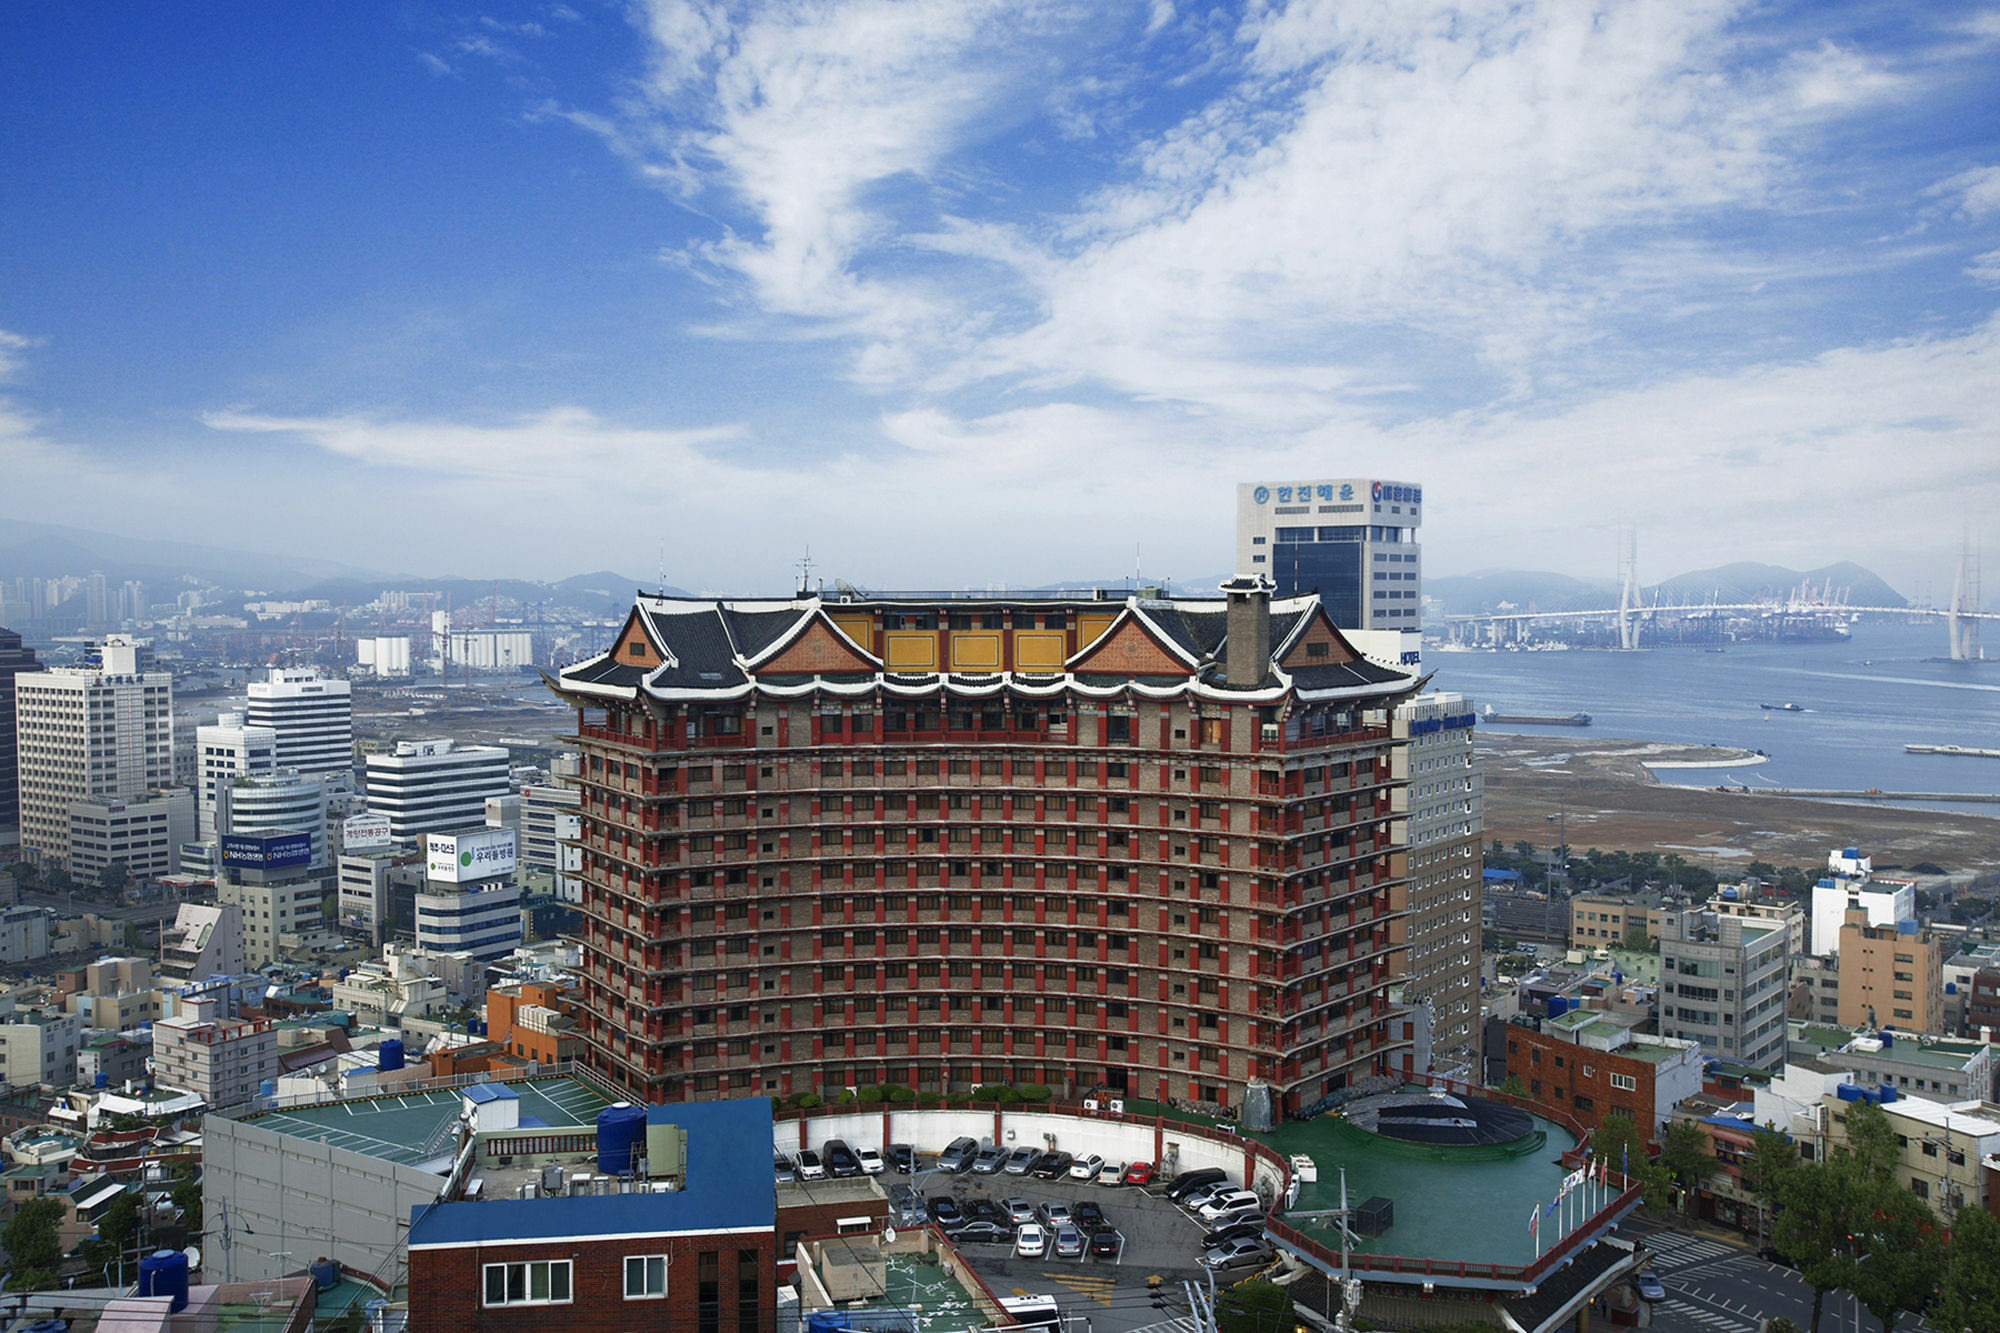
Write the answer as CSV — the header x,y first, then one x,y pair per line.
x,y
910,651
975,652
860,628
1038,651
1090,628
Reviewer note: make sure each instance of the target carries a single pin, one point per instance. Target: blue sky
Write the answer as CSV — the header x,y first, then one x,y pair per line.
x,y
993,293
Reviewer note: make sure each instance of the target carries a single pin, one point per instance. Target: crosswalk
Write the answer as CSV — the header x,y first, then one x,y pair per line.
x,y
1707,1319
1179,1324
1671,1251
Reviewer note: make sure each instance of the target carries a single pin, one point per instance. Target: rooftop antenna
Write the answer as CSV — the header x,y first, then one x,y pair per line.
x,y
663,566
805,571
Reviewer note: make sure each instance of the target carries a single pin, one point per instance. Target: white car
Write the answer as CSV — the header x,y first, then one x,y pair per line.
x,y
1030,1241
1111,1173
1086,1167
809,1166
1229,1202
1202,1194
871,1161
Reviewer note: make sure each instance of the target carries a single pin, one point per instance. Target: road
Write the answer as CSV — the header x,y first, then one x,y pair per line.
x,y
1715,1287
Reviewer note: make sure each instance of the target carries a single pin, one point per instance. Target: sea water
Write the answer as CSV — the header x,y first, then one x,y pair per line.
x,y
1863,700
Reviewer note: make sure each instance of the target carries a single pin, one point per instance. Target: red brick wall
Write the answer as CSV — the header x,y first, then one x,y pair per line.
x,y
1554,1072
446,1286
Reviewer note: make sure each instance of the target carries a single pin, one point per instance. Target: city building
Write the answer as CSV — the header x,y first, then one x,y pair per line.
x,y
364,905
471,900
1792,916
312,715
1136,844
220,1061
1724,982
1606,920
386,991
24,933
224,751
1850,883
205,940
143,832
1441,796
1940,1148
1352,541
699,1253
87,734
435,786
15,659
534,1021
1816,988
1594,1064
270,802
38,1047
270,878
1890,974
114,994
1937,1068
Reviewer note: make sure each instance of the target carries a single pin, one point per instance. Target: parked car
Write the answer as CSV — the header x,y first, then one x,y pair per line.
x,y
1069,1243
810,1167
984,1210
1089,1216
1030,1241
980,1233
1086,1167
871,1161
958,1155
1112,1173
902,1158
1222,1235
1106,1244
1022,1160
1139,1173
906,1204
1201,1194
1054,1213
945,1210
1187,1182
1018,1210
1648,1285
841,1163
988,1161
1052,1166
783,1167
1227,1202
1237,1253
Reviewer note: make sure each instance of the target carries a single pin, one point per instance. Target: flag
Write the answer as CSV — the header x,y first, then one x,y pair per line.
x,y
1624,1159
1534,1218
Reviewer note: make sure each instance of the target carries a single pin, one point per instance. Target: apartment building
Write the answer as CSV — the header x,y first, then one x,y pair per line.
x,y
1440,793
1890,974
1724,982
220,1061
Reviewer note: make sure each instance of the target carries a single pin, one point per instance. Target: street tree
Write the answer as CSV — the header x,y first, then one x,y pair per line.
x,y
1256,1306
34,1249
1899,1251
1969,1297
1618,1141
1813,1224
1871,1141
1772,1156
1688,1156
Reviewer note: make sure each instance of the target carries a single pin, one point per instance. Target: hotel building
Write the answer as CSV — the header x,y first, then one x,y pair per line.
x,y
1353,541
1139,846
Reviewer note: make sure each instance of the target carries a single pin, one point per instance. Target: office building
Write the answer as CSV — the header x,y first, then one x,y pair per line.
x,y
221,1061
269,802
88,734
143,833
1353,541
471,900
312,715
271,878
435,786
1724,982
14,659
39,1048
224,751
205,940
550,827
1890,975
1440,794
1138,845
24,933
1607,920
1850,882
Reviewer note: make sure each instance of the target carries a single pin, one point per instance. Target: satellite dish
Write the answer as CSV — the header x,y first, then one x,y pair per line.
x,y
193,1253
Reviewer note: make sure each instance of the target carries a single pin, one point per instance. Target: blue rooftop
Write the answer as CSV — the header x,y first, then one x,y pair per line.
x,y
491,1092
728,1148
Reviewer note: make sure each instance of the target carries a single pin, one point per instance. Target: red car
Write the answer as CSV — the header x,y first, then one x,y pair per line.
x,y
1139,1173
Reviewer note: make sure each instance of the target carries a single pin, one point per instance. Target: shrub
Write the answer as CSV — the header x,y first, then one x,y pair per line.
x,y
1034,1092
807,1100
871,1096
846,1097
902,1095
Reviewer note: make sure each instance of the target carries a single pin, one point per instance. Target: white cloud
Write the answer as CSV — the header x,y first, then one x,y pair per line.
x,y
1976,191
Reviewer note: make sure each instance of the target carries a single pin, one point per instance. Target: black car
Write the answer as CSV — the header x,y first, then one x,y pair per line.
x,y
1187,1182
1234,1231
841,1163
1052,1166
1089,1217
1771,1254
901,1157
984,1210
980,1233
945,1210
1105,1244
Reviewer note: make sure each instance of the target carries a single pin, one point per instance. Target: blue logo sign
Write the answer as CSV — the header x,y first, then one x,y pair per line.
x,y
266,851
1262,495
1403,494
1304,491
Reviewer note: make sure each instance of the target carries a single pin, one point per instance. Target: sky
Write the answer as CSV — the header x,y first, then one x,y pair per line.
x,y
968,294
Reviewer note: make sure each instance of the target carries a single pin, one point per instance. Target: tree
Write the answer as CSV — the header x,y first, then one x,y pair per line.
x,y
1898,1236
1524,850
1772,1156
118,1229
112,878
33,1249
1970,1295
1871,1141
1688,1156
1256,1306
1637,940
1513,1086
1812,1227
1618,1141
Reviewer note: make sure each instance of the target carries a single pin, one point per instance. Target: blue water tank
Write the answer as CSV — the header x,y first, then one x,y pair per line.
x,y
1888,1039
165,1273
1885,1095
1824,884
391,1055
267,1087
621,1135
1951,988
1729,895
1617,977
103,1079
1852,853
1558,1005
325,1274
1848,1092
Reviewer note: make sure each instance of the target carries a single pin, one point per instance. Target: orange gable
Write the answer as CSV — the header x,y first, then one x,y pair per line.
x,y
1333,650
634,648
818,651
1130,651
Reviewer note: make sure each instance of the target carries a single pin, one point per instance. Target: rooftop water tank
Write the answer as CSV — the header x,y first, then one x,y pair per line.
x,y
1851,853
102,1080
1885,1095
621,1136
1558,1005
391,1055
267,1088
165,1273
1729,895
325,1274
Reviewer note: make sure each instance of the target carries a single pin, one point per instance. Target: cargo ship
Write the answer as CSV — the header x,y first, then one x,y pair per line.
x,y
1781,708
1535,719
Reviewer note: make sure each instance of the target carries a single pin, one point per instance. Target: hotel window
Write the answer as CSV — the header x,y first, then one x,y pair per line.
x,y
542,1282
645,1276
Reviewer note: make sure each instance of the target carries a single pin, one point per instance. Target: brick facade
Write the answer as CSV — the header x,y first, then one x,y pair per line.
x,y
1578,1079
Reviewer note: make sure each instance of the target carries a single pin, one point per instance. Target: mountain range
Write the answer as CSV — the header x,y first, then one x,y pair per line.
x,y
1741,582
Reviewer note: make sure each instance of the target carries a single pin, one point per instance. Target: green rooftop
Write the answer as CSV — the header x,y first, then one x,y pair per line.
x,y
396,1128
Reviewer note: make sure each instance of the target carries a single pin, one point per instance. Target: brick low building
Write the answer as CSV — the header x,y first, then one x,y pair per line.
x,y
1592,1066
1147,845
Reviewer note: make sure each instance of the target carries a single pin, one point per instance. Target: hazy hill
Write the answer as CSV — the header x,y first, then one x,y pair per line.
x,y
1467,594
1744,581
